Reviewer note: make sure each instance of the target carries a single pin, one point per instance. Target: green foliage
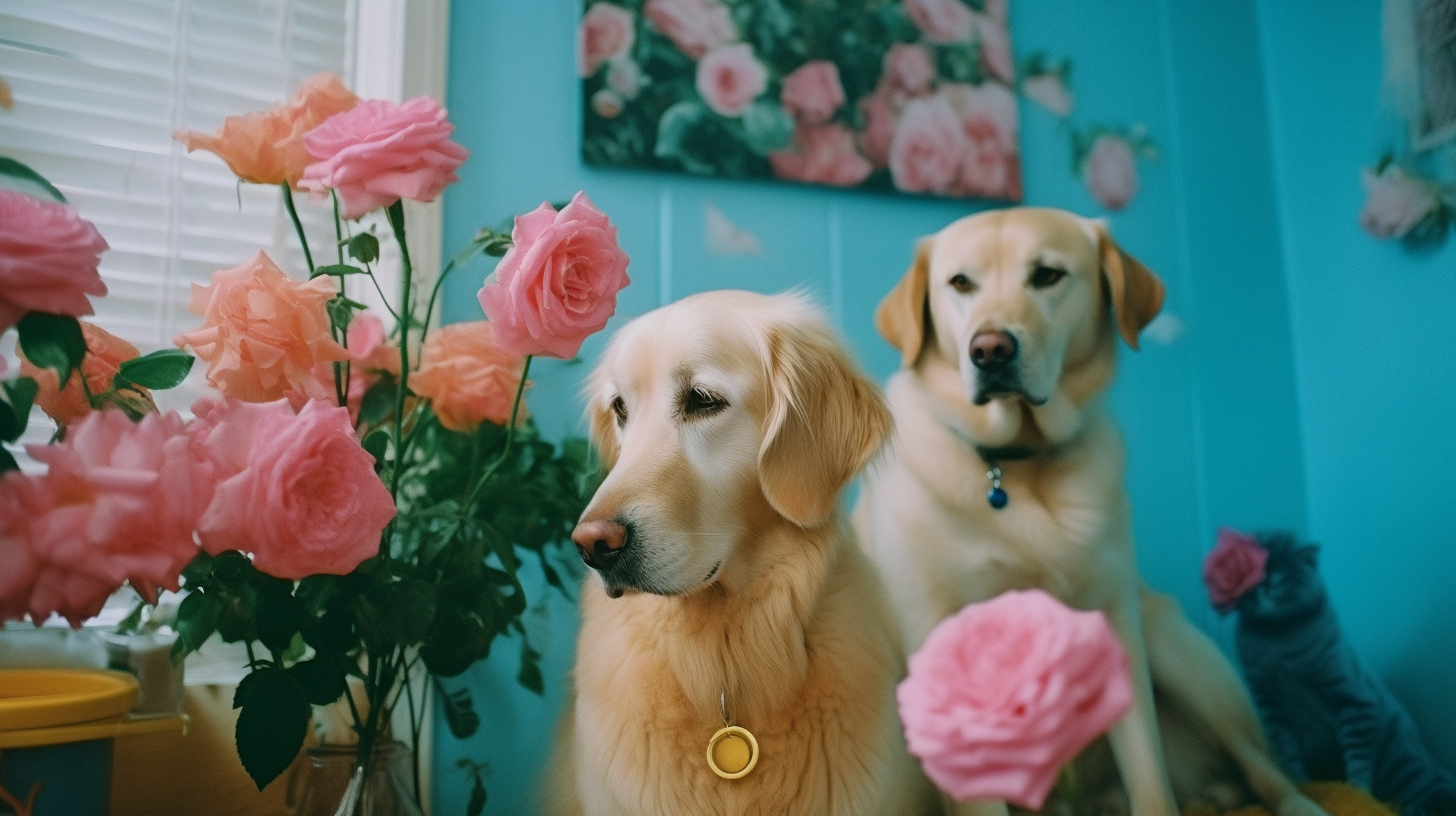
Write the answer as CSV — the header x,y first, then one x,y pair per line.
x,y
52,341
363,247
459,710
162,369
15,408
272,723
12,169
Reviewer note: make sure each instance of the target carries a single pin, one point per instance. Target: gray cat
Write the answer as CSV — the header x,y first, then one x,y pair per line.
x,y
1326,717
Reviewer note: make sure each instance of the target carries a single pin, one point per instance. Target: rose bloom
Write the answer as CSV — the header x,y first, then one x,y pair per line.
x,y
105,352
21,500
822,154
607,103
928,147
1110,171
606,32
990,167
369,354
266,147
122,499
380,152
1006,692
467,377
1395,203
941,21
730,78
262,334
1232,568
694,26
908,69
298,492
48,259
878,110
558,282
995,44
812,92
1050,92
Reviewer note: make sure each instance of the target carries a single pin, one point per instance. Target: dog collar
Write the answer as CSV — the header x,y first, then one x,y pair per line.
x,y
996,496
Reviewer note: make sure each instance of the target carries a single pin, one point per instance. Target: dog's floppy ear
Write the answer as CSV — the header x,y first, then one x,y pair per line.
x,y
1136,292
903,317
825,420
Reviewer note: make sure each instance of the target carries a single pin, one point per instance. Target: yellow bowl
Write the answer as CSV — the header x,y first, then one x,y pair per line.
x,y
47,698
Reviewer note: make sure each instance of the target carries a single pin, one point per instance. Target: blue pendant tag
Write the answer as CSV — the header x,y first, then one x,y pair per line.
x,y
996,497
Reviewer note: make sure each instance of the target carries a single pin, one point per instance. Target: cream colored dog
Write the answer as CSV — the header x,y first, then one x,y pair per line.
x,y
1007,322
726,584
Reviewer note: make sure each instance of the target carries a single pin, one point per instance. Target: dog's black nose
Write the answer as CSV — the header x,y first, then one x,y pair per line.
x,y
992,350
600,541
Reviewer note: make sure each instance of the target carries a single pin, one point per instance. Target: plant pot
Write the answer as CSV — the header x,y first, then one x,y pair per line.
x,y
331,785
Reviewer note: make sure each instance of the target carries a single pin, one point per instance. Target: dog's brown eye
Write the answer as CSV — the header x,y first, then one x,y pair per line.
x,y
1044,276
961,283
620,409
702,402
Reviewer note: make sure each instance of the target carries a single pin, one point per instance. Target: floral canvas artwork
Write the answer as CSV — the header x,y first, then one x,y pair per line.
x,y
916,96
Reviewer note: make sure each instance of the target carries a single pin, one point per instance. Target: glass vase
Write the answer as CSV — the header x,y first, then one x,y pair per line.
x,y
331,785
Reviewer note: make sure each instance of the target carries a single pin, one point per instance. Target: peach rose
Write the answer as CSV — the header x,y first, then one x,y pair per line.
x,y
48,259
990,167
558,282
878,110
907,69
730,78
812,92
928,147
122,499
1110,171
298,492
1396,203
262,334
1006,692
941,21
105,352
380,152
266,147
606,32
822,154
694,26
1232,568
995,44
468,377
21,501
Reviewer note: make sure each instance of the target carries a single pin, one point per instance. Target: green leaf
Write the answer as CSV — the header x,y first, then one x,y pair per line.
x,y
196,621
15,413
459,710
272,724
530,675
376,444
14,169
322,681
132,620
476,805
53,341
498,244
363,247
162,369
278,615
296,648
399,613
378,402
767,127
7,462
337,269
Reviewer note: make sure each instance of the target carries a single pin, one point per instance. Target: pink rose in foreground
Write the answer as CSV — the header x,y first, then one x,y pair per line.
x,y
298,492
1232,568
812,92
558,282
730,78
20,502
907,69
694,26
262,333
606,32
878,110
990,167
467,377
105,352
928,147
48,259
1395,203
941,21
1110,171
122,500
266,147
1049,91
995,44
822,154
1006,692
380,152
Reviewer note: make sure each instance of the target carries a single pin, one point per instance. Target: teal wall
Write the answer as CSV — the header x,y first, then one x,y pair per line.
x,y
1220,424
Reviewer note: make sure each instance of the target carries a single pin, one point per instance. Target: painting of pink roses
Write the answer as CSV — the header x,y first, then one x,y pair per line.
x,y
914,96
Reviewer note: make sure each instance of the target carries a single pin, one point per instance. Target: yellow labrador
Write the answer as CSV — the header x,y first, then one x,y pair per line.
x,y
726,585
1007,323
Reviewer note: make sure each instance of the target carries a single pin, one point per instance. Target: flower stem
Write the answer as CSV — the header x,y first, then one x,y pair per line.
x,y
505,451
395,212
297,226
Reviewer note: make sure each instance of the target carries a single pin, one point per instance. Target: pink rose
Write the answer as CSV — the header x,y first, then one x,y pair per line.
x,y
812,92
1232,568
262,334
941,21
558,282
928,147
730,78
1050,92
121,502
380,152
1006,692
48,259
606,32
907,69
995,44
467,377
990,167
1395,203
822,154
298,492
878,110
694,26
21,501
1110,171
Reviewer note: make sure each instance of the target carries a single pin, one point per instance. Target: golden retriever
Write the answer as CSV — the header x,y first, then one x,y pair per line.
x,y
726,585
1007,323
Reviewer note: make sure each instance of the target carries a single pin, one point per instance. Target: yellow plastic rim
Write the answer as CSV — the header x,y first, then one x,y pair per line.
x,y
48,698
733,733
